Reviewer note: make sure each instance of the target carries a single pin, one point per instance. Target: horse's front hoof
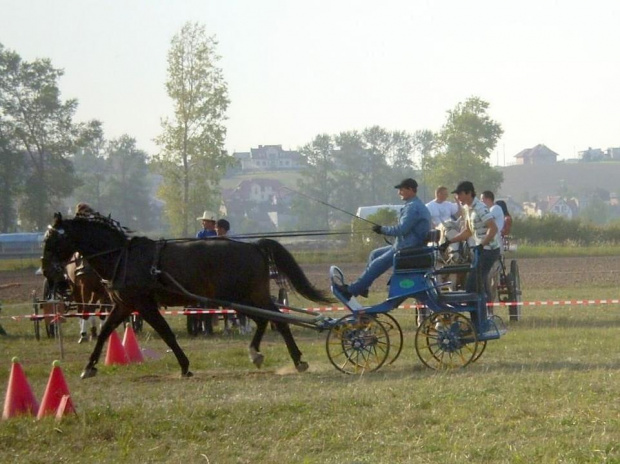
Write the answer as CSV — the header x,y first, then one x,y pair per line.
x,y
302,366
88,373
187,375
256,357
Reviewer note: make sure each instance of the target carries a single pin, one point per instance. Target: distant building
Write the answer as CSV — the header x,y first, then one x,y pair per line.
x,y
540,154
592,154
559,206
613,153
270,158
264,201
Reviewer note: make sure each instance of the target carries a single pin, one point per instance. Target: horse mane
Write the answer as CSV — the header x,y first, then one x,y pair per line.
x,y
106,221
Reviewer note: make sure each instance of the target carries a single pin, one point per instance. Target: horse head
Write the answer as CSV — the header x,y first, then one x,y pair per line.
x,y
57,250
456,253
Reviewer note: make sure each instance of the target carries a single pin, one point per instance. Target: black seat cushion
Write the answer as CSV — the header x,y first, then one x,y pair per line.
x,y
414,258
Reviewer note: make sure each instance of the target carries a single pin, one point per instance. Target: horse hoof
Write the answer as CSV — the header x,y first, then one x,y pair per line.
x,y
257,358
302,366
188,374
88,373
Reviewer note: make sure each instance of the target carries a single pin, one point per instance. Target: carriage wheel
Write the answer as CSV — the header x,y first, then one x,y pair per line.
x,y
37,322
395,333
283,297
193,324
136,323
283,300
446,340
482,345
357,344
514,291
48,294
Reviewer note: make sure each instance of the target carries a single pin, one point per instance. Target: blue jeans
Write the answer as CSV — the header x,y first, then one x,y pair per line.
x,y
487,259
379,261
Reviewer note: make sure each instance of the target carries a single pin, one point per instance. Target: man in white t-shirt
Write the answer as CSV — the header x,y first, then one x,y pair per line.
x,y
488,198
442,210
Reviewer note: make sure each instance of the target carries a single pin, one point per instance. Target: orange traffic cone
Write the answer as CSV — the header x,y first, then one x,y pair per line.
x,y
19,397
55,391
64,407
134,354
116,353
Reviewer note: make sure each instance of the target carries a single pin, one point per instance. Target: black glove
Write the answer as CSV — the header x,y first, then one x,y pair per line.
x,y
479,248
376,229
444,246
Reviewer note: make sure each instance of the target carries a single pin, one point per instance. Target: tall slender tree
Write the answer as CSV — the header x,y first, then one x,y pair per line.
x,y
192,159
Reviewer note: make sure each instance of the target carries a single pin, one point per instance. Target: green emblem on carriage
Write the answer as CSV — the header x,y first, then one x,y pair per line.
x,y
407,283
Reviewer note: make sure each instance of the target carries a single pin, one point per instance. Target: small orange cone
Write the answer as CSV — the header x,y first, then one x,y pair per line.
x,y
54,392
19,397
116,353
134,354
65,406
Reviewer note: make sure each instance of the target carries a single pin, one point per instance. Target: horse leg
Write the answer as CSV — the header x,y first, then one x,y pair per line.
x,y
255,355
115,318
150,313
293,349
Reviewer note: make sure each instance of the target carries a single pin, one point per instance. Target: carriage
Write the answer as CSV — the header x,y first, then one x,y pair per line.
x,y
144,274
454,334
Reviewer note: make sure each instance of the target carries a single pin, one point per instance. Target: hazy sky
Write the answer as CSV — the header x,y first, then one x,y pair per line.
x,y
295,69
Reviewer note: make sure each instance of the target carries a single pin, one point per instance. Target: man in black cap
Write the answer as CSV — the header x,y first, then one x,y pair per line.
x,y
414,223
479,224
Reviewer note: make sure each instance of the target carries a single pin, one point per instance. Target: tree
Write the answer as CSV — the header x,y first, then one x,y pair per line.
x,y
192,160
11,175
90,166
39,125
464,146
318,183
127,188
352,169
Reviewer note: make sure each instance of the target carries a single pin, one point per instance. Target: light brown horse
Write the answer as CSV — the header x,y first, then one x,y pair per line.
x,y
88,292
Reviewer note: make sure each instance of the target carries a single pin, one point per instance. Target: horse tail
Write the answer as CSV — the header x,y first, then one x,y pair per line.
x,y
287,268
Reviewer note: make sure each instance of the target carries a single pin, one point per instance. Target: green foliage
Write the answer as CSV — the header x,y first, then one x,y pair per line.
x,y
192,160
39,125
350,170
463,148
12,170
556,229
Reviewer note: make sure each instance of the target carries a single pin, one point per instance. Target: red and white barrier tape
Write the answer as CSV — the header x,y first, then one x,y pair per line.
x,y
196,311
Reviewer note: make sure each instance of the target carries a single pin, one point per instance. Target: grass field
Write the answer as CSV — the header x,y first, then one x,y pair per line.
x,y
545,392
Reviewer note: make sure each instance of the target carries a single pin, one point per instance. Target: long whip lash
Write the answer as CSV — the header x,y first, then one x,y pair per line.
x,y
331,206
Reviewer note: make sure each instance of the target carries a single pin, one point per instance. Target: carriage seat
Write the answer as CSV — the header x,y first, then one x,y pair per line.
x,y
415,259
457,297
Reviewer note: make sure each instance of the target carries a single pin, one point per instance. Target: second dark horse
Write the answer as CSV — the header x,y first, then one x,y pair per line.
x,y
140,273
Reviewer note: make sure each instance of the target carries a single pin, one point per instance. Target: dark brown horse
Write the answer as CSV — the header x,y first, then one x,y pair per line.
x,y
145,274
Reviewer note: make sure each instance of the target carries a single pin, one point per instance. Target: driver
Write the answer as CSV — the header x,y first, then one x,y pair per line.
x,y
414,224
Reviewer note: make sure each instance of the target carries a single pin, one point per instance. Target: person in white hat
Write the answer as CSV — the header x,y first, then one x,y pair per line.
x,y
208,225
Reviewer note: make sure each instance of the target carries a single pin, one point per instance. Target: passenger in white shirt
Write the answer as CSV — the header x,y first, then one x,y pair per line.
x,y
488,198
442,210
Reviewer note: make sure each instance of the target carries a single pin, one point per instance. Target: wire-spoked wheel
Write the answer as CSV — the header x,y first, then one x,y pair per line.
x,y
357,344
514,291
446,340
395,333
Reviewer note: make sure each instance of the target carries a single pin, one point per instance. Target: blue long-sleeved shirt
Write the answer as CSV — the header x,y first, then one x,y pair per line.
x,y
414,224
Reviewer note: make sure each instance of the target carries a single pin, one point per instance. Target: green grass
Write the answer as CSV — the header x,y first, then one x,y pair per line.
x,y
545,392
16,264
